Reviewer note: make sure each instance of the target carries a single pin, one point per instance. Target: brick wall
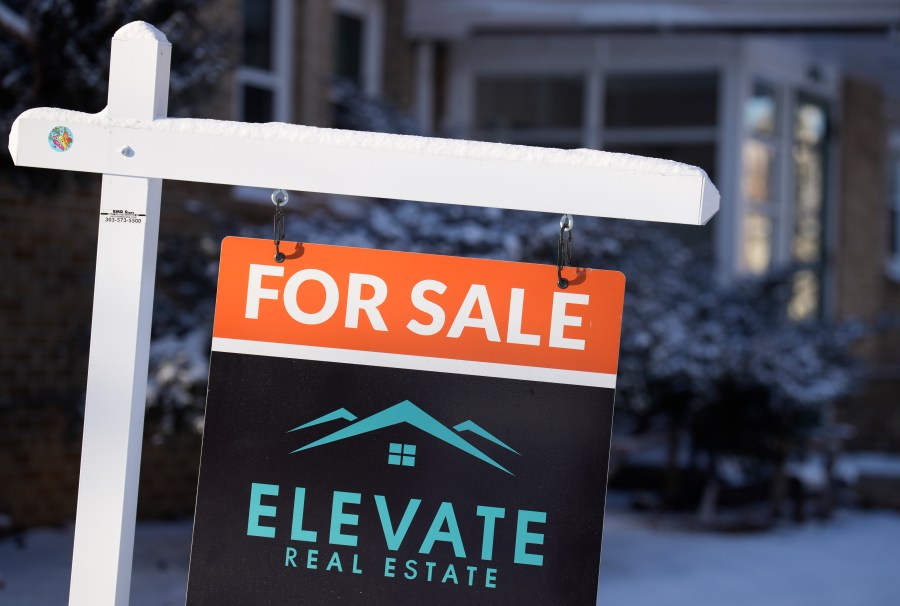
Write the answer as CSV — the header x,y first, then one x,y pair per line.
x,y
863,289
47,262
863,195
40,454
313,61
399,57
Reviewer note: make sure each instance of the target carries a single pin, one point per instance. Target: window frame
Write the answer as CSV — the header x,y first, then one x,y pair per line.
x,y
371,13
777,208
548,137
790,67
277,80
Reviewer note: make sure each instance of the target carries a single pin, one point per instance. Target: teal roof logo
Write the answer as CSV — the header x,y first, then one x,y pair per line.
x,y
410,414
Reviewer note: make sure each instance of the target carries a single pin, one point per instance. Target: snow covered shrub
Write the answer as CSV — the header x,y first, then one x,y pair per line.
x,y
690,348
55,53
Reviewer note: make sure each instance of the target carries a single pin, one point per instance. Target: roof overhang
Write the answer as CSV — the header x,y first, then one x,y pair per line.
x,y
449,19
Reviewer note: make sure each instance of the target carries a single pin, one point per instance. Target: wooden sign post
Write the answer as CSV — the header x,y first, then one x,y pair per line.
x,y
135,146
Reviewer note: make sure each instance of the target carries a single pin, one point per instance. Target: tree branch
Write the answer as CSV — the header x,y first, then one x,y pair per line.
x,y
15,24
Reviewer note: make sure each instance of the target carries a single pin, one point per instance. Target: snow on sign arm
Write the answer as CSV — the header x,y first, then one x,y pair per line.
x,y
427,169
397,428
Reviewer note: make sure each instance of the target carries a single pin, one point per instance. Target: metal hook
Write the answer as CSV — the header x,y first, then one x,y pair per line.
x,y
279,199
564,248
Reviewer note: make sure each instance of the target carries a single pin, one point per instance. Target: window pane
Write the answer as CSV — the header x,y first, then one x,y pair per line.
x,y
756,255
804,303
810,161
257,104
761,112
759,171
348,60
809,172
257,34
811,122
523,102
648,100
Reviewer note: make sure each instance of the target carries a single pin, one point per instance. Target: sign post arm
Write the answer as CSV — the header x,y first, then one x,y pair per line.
x,y
120,335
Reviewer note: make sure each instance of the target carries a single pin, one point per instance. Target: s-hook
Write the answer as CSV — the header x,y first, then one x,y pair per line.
x,y
564,248
279,199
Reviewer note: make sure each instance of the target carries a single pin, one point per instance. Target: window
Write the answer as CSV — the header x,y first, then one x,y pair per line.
x,y
258,103
729,107
661,100
263,79
545,111
257,34
671,115
349,48
810,149
359,43
402,454
760,179
784,190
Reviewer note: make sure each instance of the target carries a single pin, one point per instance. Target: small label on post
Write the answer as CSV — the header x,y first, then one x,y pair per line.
x,y
121,216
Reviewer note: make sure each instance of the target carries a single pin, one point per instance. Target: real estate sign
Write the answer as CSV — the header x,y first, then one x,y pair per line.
x,y
396,428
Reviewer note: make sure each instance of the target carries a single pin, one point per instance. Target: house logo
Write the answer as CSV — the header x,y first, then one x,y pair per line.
x,y
404,455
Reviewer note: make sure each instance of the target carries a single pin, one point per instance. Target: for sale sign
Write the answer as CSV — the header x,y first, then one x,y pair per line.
x,y
396,428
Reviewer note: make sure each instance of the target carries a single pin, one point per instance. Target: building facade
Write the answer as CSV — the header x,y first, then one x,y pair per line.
x,y
792,107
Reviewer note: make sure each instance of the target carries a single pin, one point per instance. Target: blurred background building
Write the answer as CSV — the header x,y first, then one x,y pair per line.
x,y
791,106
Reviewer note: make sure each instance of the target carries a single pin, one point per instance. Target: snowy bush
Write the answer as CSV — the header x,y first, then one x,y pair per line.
x,y
55,53
690,348
684,340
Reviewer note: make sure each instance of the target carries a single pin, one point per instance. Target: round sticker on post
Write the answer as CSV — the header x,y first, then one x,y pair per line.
x,y
60,138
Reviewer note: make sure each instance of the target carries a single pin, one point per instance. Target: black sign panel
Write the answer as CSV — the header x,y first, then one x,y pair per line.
x,y
330,483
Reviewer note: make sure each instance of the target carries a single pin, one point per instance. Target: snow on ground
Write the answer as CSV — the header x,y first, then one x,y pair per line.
x,y
852,560
879,464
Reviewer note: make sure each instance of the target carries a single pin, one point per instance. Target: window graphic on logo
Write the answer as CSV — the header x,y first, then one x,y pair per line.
x,y
408,452
404,455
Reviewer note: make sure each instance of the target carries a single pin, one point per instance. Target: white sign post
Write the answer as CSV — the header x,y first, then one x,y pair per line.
x,y
135,146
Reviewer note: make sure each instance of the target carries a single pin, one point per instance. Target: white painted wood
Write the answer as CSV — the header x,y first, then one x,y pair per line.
x,y
120,342
303,158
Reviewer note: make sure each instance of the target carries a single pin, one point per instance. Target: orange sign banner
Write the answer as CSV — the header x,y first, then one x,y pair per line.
x,y
419,305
